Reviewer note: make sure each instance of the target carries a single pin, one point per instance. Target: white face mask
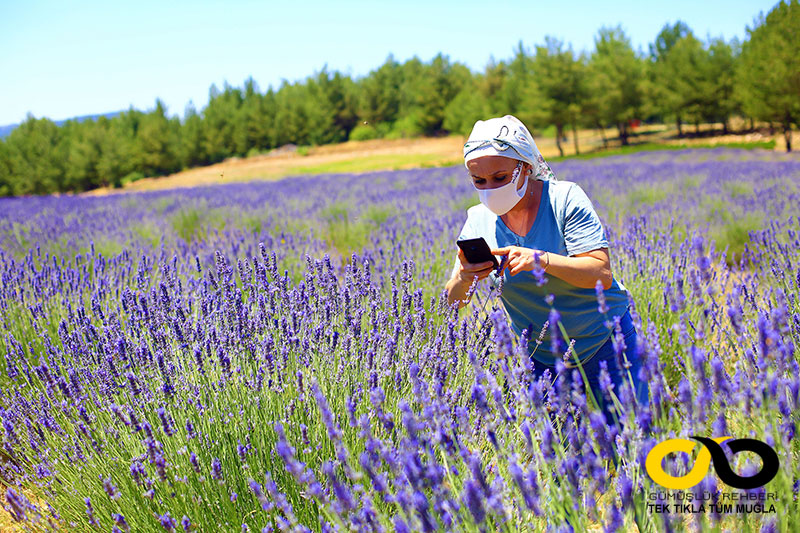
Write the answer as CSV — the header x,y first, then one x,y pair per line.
x,y
502,199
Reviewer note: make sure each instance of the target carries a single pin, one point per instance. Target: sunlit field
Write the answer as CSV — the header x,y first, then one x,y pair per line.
x,y
401,154
279,356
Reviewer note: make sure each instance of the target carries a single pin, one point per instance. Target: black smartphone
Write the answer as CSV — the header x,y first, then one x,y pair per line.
x,y
477,251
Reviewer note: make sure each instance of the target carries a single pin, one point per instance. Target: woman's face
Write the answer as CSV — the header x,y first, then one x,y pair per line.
x,y
492,171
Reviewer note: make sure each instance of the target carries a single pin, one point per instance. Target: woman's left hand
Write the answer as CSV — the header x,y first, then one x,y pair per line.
x,y
520,259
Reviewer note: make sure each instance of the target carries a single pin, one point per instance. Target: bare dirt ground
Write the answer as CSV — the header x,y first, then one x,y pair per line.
x,y
385,154
431,151
7,522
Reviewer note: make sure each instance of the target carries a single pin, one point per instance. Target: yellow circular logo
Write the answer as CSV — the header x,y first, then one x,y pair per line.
x,y
693,477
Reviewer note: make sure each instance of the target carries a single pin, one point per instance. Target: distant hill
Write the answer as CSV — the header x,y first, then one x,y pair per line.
x,y
6,130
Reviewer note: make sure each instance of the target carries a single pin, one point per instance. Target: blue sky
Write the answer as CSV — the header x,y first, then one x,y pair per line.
x,y
63,59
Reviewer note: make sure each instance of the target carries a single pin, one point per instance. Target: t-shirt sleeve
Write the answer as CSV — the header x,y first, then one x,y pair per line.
x,y
583,231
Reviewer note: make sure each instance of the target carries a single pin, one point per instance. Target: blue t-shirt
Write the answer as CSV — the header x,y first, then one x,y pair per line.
x,y
566,224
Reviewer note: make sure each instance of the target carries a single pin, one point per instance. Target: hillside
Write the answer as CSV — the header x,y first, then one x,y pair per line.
x,y
385,154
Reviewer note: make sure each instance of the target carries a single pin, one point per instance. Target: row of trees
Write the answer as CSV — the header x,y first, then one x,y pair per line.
x,y
682,79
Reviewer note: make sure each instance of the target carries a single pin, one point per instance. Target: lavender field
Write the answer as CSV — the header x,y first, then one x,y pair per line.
x,y
279,356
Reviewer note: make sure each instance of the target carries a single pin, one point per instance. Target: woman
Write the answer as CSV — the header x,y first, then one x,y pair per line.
x,y
526,215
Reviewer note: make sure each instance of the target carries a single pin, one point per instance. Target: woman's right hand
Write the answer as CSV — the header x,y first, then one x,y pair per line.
x,y
468,271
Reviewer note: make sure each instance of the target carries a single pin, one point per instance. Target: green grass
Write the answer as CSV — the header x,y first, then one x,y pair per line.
x,y
378,214
462,204
131,201
654,147
646,195
448,163
291,226
19,237
107,247
690,182
249,411
348,228
346,233
734,234
337,211
252,222
187,223
130,178
376,162
294,265
398,161
162,204
148,232
679,233
194,223
639,196
738,189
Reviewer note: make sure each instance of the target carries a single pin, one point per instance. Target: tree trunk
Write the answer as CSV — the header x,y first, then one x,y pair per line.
x,y
752,124
772,128
697,128
603,135
679,123
575,136
787,134
622,127
559,134
725,127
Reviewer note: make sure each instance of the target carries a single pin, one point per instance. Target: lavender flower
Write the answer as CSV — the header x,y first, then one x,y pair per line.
x,y
120,522
190,431
602,308
473,499
18,504
216,469
255,488
167,522
166,421
110,488
616,520
451,423
90,512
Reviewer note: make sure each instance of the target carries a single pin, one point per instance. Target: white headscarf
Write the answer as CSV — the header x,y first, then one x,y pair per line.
x,y
507,137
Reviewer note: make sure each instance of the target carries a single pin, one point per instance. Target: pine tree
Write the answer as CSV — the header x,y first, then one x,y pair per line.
x,y
616,80
769,68
560,80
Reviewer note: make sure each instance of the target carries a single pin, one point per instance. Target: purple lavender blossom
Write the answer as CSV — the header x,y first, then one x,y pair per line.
x,y
167,522
166,421
473,499
120,522
90,512
18,504
602,308
260,355
216,469
110,488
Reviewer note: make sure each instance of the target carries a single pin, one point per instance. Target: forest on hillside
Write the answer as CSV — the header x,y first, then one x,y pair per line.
x,y
682,79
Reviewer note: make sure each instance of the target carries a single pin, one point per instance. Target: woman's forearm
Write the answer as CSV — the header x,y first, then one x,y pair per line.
x,y
579,271
457,291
